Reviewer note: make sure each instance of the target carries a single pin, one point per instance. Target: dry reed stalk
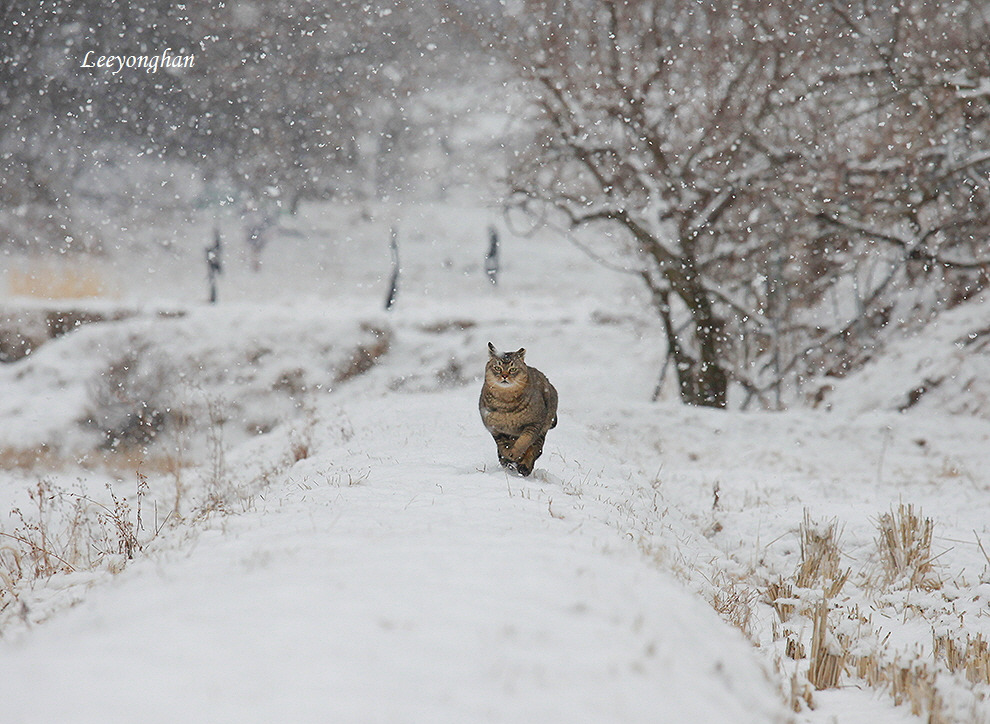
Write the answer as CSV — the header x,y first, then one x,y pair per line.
x,y
793,648
801,693
971,658
913,685
733,601
828,656
869,669
780,595
905,545
820,557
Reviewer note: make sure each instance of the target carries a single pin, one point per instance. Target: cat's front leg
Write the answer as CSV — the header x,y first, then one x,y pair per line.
x,y
528,460
523,443
503,443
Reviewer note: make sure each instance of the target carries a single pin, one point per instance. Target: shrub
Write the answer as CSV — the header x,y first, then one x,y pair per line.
x,y
128,402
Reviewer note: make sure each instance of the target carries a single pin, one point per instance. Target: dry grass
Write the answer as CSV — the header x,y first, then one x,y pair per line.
x,y
50,279
225,495
36,458
819,568
909,683
905,546
800,694
970,657
220,490
828,655
819,577
24,329
65,532
45,459
733,601
820,557
845,642
301,444
780,595
365,356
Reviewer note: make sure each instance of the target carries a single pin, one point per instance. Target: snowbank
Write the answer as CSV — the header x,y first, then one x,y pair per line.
x,y
944,366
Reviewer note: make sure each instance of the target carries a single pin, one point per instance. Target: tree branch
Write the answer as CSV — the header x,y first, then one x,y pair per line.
x,y
914,248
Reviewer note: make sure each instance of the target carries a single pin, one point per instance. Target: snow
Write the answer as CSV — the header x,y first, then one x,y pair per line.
x,y
239,354
392,571
429,591
945,366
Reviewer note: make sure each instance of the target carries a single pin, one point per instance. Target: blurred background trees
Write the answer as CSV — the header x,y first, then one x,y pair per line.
x,y
274,108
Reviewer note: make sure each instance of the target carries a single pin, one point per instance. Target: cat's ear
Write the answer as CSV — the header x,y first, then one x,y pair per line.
x,y
520,354
492,351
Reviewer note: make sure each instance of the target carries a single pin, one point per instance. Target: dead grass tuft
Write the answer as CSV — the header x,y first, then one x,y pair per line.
x,y
780,595
819,568
911,684
800,693
828,655
301,440
820,557
970,657
733,601
67,531
130,403
905,546
365,356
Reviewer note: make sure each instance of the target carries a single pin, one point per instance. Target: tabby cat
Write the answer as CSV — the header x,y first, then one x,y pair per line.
x,y
518,406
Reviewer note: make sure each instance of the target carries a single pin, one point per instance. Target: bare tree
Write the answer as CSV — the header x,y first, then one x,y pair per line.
x,y
888,214
728,152
917,183
655,120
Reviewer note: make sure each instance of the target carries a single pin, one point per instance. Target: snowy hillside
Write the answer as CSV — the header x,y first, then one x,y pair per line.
x,y
326,534
944,367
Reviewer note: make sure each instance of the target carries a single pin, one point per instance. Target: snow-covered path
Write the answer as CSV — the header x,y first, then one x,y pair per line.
x,y
428,590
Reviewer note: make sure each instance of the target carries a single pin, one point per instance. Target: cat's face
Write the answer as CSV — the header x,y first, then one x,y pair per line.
x,y
506,370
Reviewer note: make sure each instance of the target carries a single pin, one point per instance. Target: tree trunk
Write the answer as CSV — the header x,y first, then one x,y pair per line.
x,y
701,380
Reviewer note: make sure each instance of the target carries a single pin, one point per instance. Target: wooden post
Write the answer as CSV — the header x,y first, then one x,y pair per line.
x,y
394,284
491,260
214,267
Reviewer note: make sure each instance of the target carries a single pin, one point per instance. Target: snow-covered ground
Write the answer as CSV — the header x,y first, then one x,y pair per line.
x,y
347,548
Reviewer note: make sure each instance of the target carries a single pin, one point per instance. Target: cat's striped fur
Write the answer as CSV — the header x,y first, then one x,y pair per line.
x,y
518,406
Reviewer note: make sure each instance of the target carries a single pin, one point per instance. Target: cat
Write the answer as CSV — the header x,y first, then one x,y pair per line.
x,y
518,406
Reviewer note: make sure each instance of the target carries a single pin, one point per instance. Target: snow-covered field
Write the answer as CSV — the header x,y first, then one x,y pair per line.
x,y
346,548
